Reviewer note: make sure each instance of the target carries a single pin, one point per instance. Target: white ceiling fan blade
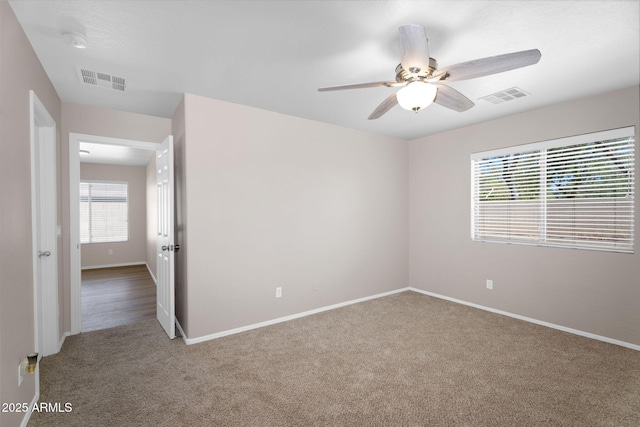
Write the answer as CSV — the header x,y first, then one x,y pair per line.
x,y
487,66
414,48
386,105
451,98
360,86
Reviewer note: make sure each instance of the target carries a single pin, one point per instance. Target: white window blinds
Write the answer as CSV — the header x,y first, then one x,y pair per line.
x,y
104,212
575,192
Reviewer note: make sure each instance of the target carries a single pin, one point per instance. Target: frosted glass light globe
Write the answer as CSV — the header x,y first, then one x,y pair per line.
x,y
416,95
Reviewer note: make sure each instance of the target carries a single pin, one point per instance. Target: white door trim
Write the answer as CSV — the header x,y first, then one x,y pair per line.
x,y
74,214
43,170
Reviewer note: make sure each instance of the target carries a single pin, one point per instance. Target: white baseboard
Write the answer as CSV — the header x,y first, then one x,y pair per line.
x,y
182,334
190,341
531,320
151,273
122,264
61,342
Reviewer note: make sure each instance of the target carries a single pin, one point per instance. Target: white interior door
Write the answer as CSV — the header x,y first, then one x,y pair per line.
x,y
165,293
44,228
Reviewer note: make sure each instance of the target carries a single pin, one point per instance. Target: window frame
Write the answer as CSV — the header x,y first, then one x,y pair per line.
x,y
128,202
542,222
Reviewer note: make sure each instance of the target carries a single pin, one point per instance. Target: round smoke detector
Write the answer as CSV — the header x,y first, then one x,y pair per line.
x,y
74,39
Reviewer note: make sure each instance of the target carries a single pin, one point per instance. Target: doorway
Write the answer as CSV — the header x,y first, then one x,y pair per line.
x,y
45,229
112,151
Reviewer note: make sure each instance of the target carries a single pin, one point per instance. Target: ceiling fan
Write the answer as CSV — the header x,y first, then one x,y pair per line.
x,y
420,77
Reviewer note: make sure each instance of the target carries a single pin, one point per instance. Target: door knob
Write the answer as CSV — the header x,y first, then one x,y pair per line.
x,y
45,253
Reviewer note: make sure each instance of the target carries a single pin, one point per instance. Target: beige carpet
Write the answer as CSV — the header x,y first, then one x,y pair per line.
x,y
402,360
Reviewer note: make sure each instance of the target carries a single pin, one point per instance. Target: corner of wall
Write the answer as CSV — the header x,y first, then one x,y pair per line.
x,y
178,130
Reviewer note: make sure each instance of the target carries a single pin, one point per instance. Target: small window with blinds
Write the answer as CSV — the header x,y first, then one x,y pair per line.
x,y
575,192
104,212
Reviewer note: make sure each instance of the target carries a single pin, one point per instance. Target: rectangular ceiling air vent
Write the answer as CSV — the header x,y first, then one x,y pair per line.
x,y
103,80
505,95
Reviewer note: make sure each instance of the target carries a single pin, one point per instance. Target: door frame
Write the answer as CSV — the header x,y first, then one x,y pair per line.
x,y
44,218
74,214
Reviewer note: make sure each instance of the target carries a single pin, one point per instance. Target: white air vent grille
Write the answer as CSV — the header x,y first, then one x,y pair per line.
x,y
103,80
505,95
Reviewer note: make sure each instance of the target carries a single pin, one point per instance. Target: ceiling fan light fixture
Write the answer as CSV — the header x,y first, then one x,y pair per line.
x,y
421,77
416,95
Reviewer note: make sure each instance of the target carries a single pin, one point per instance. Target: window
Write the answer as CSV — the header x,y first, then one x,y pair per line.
x,y
104,212
575,192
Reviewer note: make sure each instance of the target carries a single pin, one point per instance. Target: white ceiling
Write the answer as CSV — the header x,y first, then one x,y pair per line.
x,y
92,152
275,54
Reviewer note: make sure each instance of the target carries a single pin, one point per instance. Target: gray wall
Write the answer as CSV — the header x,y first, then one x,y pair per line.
x,y
595,292
20,71
273,200
331,214
134,250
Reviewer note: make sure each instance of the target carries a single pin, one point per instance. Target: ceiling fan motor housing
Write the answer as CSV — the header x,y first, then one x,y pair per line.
x,y
404,76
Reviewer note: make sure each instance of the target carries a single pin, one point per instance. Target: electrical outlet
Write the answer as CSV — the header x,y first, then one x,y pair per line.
x,y
110,251
489,284
22,369
278,292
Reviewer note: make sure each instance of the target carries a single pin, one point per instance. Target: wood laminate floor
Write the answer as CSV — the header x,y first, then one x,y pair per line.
x,y
117,296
